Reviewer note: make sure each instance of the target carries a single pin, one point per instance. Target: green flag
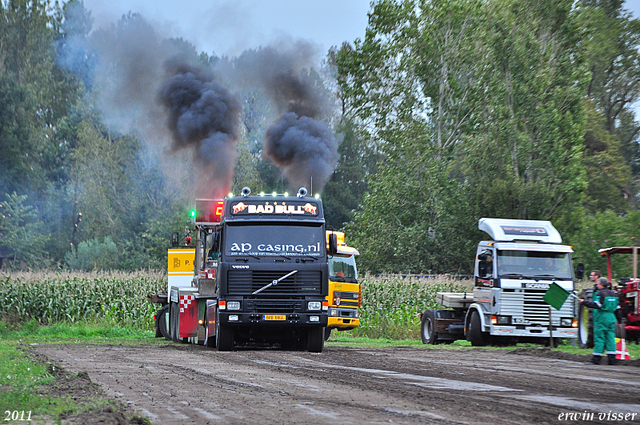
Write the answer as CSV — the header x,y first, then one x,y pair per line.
x,y
555,296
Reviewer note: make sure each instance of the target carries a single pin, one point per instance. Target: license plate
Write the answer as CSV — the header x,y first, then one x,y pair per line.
x,y
274,317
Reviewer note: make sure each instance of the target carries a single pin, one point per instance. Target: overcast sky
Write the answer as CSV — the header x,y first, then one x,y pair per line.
x,y
228,27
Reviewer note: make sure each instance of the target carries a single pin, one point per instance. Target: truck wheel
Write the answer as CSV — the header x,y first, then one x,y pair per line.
x,y
327,333
224,336
475,334
585,322
161,322
173,322
315,340
427,328
210,340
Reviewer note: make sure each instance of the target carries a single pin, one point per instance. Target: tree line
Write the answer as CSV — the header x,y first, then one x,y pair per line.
x,y
447,111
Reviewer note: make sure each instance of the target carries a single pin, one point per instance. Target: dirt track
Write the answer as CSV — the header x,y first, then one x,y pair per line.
x,y
182,384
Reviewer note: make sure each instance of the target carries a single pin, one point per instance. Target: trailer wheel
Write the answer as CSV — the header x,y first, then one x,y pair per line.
x,y
475,334
224,336
585,321
427,328
315,340
161,322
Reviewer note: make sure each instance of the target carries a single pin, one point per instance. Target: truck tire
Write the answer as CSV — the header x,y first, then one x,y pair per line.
x,y
224,336
327,333
173,322
315,340
585,321
475,334
209,340
161,322
427,328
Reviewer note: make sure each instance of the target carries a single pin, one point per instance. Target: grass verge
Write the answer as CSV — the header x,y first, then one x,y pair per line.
x,y
34,390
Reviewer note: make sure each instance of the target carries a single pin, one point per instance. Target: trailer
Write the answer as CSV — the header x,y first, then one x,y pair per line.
x,y
259,275
512,273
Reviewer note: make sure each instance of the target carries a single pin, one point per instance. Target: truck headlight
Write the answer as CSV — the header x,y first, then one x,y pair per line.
x,y
233,317
233,305
566,322
500,320
314,318
314,305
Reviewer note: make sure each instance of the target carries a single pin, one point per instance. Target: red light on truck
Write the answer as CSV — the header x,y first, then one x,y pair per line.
x,y
187,240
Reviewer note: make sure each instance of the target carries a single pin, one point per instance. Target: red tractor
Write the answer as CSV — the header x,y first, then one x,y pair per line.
x,y
627,290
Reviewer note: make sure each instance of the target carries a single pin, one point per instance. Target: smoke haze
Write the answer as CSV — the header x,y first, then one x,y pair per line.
x,y
153,86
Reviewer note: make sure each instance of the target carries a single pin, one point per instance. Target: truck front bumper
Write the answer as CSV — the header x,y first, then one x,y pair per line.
x,y
533,332
273,319
343,318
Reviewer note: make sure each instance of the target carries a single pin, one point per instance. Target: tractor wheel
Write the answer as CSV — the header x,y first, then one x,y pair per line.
x,y
475,334
585,321
427,328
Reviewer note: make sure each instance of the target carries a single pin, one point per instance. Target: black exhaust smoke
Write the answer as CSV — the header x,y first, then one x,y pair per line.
x,y
204,117
305,148
302,145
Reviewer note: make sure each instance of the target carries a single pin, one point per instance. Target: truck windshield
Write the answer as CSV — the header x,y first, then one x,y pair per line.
x,y
342,268
551,265
275,240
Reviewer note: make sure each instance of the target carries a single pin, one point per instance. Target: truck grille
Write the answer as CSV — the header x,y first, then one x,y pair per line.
x,y
245,282
530,306
273,306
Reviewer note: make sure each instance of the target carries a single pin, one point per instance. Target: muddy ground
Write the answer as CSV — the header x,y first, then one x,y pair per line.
x,y
185,384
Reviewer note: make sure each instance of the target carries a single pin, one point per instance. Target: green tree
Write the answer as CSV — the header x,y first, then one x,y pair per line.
x,y
22,231
612,50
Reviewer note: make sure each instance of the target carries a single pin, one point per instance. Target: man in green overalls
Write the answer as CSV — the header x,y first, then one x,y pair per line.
x,y
604,304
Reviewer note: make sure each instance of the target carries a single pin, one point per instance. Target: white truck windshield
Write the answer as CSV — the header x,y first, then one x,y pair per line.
x,y
534,264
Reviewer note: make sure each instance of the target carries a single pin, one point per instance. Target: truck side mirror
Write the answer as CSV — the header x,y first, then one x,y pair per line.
x,y
333,244
215,246
580,271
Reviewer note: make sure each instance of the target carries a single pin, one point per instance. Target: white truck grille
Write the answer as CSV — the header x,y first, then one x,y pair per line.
x,y
528,305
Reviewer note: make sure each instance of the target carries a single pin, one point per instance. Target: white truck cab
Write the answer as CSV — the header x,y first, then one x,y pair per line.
x,y
512,273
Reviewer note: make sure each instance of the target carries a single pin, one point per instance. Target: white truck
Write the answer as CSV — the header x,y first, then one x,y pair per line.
x,y
512,273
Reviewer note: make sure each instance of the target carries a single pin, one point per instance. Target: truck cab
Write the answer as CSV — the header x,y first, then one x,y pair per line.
x,y
344,290
512,273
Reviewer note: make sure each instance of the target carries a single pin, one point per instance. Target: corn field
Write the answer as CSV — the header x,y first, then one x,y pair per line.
x,y
113,298
391,305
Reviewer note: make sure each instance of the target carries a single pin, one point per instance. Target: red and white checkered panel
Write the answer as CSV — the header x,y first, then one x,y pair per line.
x,y
185,301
